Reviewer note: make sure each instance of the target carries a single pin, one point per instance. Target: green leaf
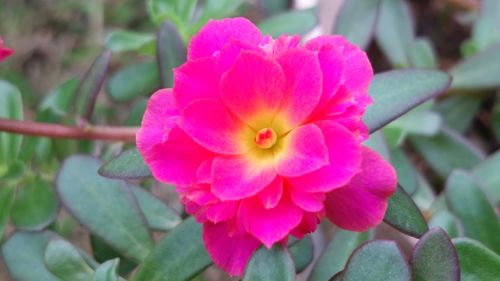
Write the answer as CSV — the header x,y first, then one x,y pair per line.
x,y
35,206
486,173
127,165
133,80
478,71
135,116
103,252
406,172
471,206
477,263
337,277
302,252
107,271
273,264
59,100
125,40
11,107
394,31
65,261
336,254
396,92
180,12
90,85
404,215
158,215
434,258
422,54
293,22
446,151
418,122
105,206
177,257
6,199
271,7
14,171
378,260
448,222
170,52
486,29
357,20
458,111
23,255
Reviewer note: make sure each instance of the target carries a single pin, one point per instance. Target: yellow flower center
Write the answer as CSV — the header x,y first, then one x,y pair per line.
x,y
266,138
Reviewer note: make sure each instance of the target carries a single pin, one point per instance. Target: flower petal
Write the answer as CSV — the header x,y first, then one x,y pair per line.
x,y
160,116
304,150
177,159
303,84
4,51
270,196
210,124
344,161
269,225
222,211
361,203
252,87
196,80
231,253
216,33
307,201
239,177
307,225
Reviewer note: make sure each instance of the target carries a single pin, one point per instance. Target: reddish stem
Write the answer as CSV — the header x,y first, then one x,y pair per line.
x,y
109,133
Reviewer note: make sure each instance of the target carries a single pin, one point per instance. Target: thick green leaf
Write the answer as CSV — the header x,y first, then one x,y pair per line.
x,y
458,111
105,206
170,52
274,264
486,29
378,260
133,80
103,252
434,258
35,206
356,21
407,175
15,171
471,206
404,215
394,31
11,107
91,84
293,22
422,54
446,151
448,222
177,257
23,255
302,253
127,165
107,271
486,173
477,263
66,262
136,112
479,71
59,100
418,122
396,92
271,7
158,215
6,199
125,40
336,254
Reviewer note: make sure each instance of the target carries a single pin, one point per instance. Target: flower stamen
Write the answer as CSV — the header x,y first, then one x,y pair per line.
x,y
266,138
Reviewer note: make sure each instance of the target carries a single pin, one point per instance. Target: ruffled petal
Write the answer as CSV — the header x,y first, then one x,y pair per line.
x,y
344,161
304,150
270,196
239,177
307,201
196,80
269,225
253,88
308,224
303,84
216,33
361,204
176,160
229,252
222,211
210,124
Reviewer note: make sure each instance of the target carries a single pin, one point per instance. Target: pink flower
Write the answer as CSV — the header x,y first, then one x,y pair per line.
x,y
4,51
263,137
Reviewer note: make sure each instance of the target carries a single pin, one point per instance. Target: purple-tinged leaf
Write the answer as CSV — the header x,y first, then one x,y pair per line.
x,y
170,52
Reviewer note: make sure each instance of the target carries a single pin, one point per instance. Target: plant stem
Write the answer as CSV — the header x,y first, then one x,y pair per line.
x,y
109,133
